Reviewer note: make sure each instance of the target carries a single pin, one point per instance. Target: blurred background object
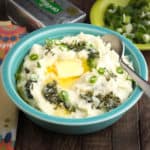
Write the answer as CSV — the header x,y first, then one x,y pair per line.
x,y
38,13
3,10
9,35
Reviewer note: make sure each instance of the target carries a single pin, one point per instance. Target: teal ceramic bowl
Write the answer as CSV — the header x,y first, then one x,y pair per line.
x,y
72,126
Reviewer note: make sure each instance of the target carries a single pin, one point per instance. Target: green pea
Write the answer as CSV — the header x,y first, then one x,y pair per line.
x,y
63,95
101,71
33,57
93,79
126,19
119,70
63,46
129,78
38,65
91,62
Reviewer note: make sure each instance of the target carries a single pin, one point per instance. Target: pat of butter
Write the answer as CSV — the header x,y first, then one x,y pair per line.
x,y
69,68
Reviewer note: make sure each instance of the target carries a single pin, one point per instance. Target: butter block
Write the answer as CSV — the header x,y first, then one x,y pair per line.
x,y
69,68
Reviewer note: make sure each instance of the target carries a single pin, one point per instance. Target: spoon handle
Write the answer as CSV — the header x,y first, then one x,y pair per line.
x,y
145,86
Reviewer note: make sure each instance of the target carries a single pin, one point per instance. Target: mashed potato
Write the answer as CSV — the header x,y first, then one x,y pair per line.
x,y
77,76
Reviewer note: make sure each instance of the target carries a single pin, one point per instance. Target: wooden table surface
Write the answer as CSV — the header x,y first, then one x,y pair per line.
x,y
131,132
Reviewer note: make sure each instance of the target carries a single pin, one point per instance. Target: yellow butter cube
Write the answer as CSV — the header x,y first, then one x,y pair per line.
x,y
69,68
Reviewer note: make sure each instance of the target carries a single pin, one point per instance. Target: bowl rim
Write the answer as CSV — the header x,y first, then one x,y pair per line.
x,y
21,104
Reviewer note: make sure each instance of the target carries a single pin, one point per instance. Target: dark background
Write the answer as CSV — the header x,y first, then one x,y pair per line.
x,y
84,4
2,10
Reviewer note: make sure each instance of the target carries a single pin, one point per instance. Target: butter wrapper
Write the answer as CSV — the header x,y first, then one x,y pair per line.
x,y
35,14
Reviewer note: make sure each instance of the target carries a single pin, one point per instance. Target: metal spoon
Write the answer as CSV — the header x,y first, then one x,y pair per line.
x,y
119,47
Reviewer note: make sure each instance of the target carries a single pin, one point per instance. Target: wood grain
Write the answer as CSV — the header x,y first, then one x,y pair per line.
x,y
144,113
36,137
125,134
97,141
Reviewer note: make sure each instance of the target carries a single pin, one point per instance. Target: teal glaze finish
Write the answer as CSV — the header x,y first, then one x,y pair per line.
x,y
74,129
84,125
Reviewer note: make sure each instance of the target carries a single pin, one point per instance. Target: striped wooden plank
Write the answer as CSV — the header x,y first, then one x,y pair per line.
x,y
125,134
